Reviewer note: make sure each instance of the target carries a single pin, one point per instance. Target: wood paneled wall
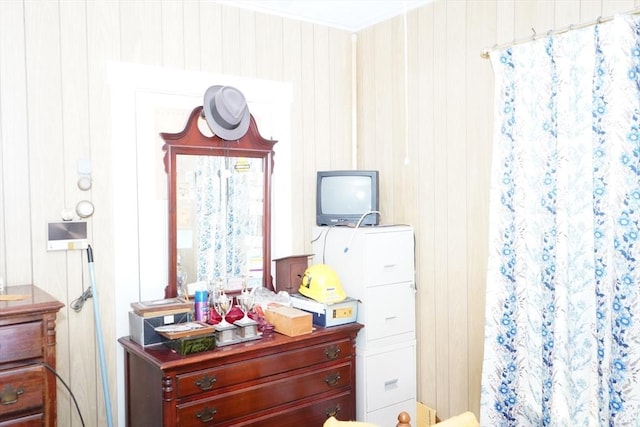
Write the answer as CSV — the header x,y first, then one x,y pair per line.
x,y
424,119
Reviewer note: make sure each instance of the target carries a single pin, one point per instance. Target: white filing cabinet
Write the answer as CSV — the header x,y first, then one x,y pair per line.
x,y
376,266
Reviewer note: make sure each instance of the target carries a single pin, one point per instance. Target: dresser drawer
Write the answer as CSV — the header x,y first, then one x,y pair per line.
x,y
389,377
312,413
237,373
20,341
21,390
35,420
264,396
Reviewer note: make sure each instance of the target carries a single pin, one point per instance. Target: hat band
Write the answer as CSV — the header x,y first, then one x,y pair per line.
x,y
220,120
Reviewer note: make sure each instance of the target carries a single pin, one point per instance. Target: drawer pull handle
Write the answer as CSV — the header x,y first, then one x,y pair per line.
x,y
390,317
206,415
10,395
391,384
206,382
332,352
333,379
332,412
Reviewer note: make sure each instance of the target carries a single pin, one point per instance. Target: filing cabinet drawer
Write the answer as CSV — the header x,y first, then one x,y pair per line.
x,y
366,257
20,341
389,311
263,396
389,377
388,416
388,258
21,390
236,373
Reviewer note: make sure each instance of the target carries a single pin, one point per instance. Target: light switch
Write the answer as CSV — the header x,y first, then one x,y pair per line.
x,y
84,167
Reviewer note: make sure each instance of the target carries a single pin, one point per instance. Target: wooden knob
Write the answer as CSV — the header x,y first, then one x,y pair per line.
x,y
404,420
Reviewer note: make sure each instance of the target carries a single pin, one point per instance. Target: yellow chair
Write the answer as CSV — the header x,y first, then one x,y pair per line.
x,y
332,422
466,419
403,421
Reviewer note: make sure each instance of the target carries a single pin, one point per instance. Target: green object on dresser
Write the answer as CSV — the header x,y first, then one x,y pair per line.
x,y
192,345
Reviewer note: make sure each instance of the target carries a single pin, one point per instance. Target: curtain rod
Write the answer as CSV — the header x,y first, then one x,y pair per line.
x,y
486,51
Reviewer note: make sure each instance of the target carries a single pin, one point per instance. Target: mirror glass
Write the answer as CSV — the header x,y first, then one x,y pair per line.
x,y
219,215
219,208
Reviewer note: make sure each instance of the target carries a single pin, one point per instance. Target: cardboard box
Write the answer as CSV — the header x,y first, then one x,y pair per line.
x,y
426,415
327,315
142,329
289,321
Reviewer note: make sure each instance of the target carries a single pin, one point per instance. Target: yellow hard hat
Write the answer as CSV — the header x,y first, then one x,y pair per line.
x,y
321,283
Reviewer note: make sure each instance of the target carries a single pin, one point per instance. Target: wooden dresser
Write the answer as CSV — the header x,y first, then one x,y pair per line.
x,y
275,381
27,343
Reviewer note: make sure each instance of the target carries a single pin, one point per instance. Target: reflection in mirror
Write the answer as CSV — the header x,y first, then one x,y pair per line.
x,y
219,219
219,208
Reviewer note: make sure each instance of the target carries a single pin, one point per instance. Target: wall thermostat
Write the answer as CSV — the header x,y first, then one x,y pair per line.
x,y
67,235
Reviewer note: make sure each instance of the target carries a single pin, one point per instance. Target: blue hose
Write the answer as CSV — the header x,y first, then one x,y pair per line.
x,y
103,363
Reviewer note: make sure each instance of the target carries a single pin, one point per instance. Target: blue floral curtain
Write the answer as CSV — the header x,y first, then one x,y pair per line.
x,y
562,333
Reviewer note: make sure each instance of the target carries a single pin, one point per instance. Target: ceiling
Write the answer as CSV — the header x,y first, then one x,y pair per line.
x,y
350,15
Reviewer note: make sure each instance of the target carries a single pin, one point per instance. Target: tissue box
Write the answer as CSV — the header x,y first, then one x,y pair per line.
x,y
142,329
289,321
327,315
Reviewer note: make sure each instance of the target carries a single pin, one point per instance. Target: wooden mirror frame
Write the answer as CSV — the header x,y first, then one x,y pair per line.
x,y
193,142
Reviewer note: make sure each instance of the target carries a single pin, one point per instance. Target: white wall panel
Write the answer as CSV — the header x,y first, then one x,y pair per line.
x,y
174,47
479,117
212,37
15,204
193,40
103,45
423,217
80,364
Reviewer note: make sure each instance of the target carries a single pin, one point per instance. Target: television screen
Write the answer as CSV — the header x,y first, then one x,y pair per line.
x,y
347,197
350,195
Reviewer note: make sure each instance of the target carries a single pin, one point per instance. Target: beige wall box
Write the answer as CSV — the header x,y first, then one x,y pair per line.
x,y
142,329
289,321
66,235
327,315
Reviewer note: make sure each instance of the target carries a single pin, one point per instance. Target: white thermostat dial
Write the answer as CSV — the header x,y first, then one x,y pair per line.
x,y
84,209
84,183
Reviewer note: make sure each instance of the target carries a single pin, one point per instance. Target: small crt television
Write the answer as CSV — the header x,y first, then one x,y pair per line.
x,y
347,197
